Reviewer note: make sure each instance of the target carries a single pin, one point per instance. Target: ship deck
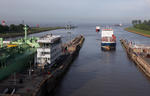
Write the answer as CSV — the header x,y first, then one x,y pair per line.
x,y
28,83
23,83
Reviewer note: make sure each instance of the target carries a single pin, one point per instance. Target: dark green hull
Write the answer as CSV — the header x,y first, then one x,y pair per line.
x,y
17,63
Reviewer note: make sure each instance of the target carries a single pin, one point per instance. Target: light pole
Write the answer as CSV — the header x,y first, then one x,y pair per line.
x,y
68,28
69,35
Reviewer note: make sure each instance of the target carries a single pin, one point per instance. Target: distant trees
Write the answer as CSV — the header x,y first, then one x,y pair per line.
x,y
134,22
16,28
139,21
4,28
12,28
145,25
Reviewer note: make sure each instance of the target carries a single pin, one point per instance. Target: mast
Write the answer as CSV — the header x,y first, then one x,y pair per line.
x,y
25,30
1,42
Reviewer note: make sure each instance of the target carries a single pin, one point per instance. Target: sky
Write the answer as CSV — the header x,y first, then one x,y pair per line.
x,y
75,11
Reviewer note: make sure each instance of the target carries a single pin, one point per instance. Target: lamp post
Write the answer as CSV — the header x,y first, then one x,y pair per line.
x,y
68,28
69,35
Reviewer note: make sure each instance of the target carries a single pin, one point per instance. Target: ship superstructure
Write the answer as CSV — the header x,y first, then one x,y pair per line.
x,y
108,39
49,50
37,82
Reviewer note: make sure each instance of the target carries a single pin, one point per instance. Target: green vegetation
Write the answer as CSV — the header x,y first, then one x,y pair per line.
x,y
145,25
17,30
138,31
35,30
139,27
11,29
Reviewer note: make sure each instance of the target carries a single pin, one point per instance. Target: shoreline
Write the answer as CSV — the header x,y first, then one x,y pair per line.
x,y
32,31
136,32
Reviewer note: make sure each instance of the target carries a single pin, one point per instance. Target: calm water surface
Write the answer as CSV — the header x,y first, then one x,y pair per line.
x,y
99,73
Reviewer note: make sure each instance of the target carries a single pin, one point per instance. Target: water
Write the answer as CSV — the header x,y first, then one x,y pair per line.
x,y
99,73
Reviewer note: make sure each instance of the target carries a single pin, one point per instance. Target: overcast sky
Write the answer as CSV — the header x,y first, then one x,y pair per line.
x,y
75,11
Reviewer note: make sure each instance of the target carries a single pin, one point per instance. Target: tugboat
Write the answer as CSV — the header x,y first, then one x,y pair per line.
x,y
108,39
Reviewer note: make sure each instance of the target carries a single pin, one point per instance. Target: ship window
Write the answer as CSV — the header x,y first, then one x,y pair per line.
x,y
41,44
47,45
38,58
43,53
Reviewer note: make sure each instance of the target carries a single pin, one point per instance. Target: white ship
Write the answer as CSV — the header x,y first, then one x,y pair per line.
x,y
97,28
49,51
108,39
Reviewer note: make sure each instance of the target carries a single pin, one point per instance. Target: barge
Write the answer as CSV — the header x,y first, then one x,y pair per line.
x,y
140,54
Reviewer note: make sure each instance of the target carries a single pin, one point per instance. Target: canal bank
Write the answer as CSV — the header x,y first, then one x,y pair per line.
x,y
31,31
138,31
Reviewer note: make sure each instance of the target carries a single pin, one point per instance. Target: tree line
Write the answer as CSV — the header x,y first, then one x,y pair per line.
x,y
143,25
12,28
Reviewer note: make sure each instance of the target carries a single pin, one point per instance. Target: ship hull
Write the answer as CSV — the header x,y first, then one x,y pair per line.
x,y
108,46
97,30
18,63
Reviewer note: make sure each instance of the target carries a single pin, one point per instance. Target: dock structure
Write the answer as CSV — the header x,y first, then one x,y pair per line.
x,y
140,54
39,82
